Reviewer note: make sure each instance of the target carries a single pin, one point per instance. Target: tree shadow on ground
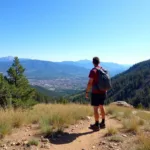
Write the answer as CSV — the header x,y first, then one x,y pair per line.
x,y
66,138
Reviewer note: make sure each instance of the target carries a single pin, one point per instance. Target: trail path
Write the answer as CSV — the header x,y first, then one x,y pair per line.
x,y
82,138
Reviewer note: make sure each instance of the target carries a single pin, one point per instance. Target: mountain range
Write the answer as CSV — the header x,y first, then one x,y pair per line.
x,y
39,69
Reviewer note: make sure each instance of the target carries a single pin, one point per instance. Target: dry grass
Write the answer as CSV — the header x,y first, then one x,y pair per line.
x,y
115,138
111,131
119,113
51,117
132,119
144,142
131,125
33,142
143,115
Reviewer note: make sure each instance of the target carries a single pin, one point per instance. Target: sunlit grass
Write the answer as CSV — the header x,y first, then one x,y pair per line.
x,y
115,138
33,142
111,130
131,125
51,117
118,112
144,142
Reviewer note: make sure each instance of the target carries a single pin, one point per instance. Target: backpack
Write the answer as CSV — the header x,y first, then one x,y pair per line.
x,y
104,81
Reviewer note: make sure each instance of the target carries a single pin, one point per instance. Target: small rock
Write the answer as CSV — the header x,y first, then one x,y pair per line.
x,y
76,126
26,130
4,145
47,146
29,134
13,144
103,142
115,144
45,140
18,143
88,118
110,146
25,142
24,139
93,147
81,122
124,135
42,146
5,148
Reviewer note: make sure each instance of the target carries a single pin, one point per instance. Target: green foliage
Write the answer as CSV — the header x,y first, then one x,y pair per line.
x,y
33,142
132,86
62,100
15,89
5,96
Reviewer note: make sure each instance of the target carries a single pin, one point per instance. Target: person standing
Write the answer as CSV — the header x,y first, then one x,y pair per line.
x,y
98,95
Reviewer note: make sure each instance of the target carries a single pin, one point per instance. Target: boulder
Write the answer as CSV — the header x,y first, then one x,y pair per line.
x,y
122,103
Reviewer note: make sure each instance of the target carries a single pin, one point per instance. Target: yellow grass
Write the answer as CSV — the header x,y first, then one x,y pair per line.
x,y
144,115
119,112
111,131
144,142
115,138
131,125
50,117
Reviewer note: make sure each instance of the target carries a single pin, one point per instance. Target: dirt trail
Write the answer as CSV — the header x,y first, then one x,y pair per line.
x,y
82,138
76,137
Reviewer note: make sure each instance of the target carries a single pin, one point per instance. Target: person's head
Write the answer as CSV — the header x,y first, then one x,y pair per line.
x,y
96,61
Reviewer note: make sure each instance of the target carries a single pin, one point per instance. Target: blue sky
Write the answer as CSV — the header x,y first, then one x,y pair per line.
x,y
56,30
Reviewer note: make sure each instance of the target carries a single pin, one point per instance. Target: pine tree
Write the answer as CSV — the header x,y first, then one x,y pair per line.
x,y
5,96
21,91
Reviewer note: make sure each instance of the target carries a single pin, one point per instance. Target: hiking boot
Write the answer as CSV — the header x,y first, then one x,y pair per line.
x,y
94,127
102,125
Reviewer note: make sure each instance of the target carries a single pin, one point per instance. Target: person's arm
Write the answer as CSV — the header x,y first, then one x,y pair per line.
x,y
89,86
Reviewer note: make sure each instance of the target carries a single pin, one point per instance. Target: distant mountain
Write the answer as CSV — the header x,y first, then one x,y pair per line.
x,y
132,86
9,58
38,69
113,68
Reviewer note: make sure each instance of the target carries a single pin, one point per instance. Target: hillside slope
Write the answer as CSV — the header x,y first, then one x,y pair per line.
x,y
113,68
133,85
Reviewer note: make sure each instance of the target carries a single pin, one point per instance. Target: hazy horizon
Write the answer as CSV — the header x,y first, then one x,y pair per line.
x,y
12,57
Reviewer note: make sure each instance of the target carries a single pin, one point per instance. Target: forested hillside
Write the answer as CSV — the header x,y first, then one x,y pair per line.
x,y
132,85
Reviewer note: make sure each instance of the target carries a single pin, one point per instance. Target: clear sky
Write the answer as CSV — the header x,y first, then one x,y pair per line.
x,y
56,30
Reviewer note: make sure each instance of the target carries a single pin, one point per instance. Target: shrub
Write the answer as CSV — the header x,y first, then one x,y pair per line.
x,y
144,142
131,125
111,131
33,142
115,138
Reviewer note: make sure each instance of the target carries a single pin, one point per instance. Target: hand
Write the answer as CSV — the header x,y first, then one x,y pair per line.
x,y
87,95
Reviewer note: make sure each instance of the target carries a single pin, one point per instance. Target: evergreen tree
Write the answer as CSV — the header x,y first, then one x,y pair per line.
x,y
5,96
21,91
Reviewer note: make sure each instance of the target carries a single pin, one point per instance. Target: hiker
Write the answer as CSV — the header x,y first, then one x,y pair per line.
x,y
98,94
